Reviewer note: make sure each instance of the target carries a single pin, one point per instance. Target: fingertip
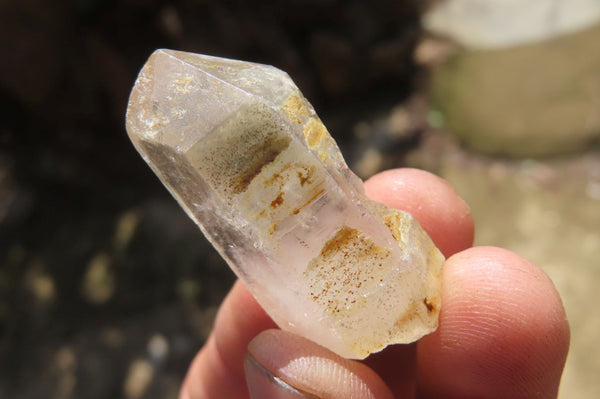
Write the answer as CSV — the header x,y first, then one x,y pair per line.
x,y
503,330
431,200
314,370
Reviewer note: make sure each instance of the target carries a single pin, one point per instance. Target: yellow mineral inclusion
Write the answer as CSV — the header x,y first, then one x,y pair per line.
x,y
183,85
251,160
316,136
295,108
335,283
314,132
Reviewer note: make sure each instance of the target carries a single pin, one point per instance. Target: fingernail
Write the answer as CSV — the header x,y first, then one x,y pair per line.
x,y
263,384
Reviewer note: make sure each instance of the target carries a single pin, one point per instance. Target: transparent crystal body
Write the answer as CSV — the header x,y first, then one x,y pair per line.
x,y
248,159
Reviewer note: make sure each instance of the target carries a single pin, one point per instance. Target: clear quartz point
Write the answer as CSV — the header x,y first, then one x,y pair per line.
x,y
246,156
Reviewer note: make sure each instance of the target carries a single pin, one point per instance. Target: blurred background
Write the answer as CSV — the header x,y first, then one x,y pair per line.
x,y
107,289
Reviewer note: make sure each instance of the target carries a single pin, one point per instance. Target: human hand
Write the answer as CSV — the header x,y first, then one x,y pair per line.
x,y
503,331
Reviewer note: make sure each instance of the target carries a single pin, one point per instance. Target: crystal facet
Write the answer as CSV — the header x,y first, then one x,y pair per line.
x,y
245,155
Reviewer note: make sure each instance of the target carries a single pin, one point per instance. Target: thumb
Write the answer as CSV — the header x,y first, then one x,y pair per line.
x,y
281,365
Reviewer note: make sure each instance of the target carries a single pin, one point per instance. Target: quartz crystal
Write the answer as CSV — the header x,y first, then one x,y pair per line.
x,y
245,155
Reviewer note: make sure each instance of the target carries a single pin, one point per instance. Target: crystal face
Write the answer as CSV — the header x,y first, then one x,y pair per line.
x,y
245,155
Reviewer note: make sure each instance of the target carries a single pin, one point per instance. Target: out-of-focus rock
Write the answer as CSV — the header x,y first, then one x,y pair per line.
x,y
520,90
491,24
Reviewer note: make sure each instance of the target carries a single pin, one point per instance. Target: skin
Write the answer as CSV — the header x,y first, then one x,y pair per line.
x,y
503,331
